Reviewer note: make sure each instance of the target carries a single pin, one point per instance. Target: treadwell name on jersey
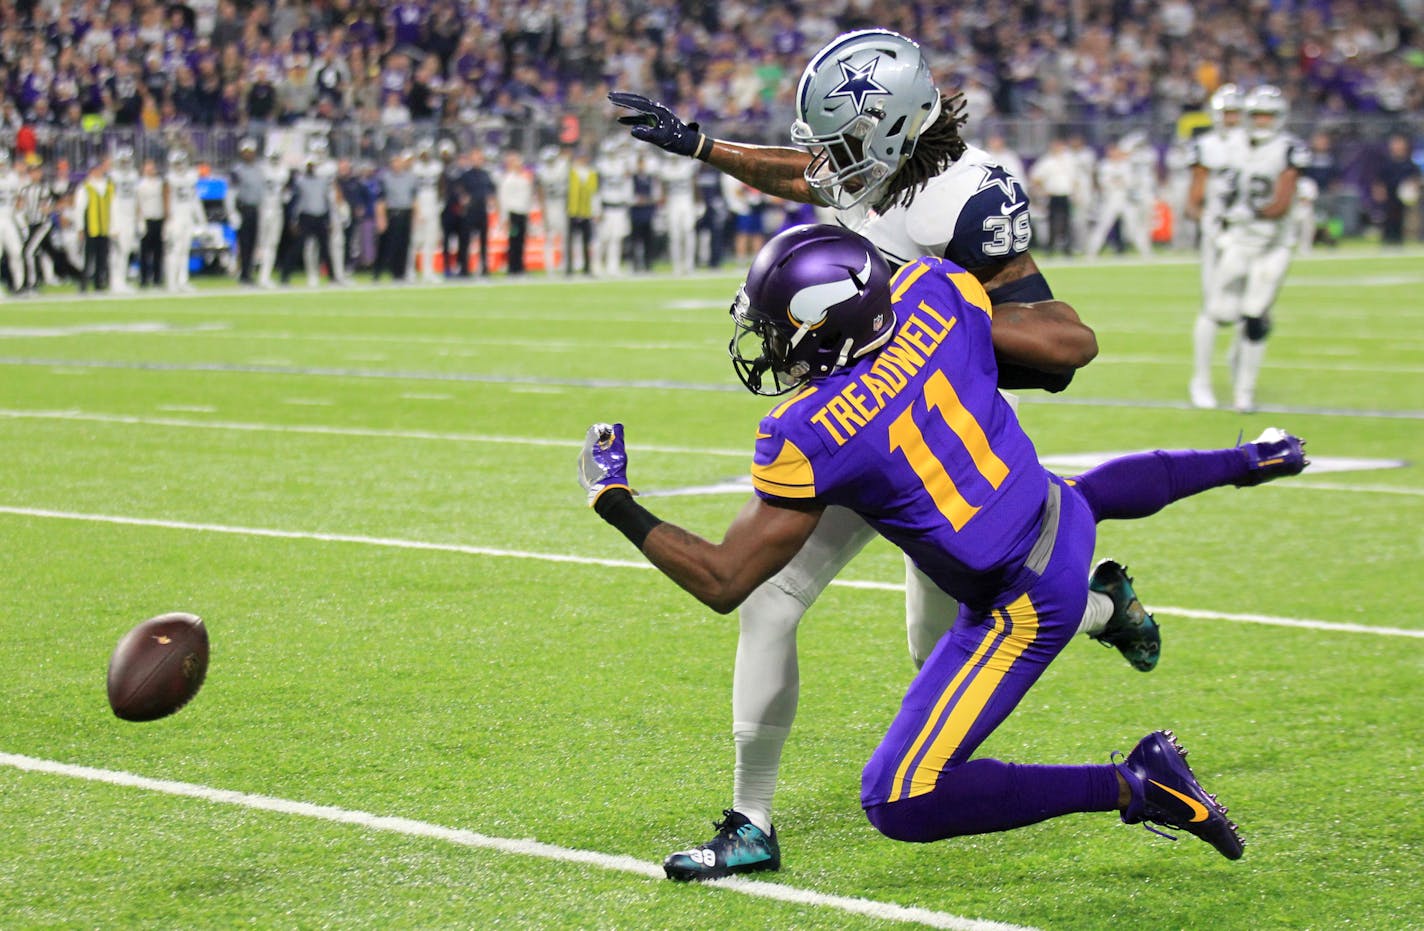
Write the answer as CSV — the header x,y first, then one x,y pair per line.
x,y
902,358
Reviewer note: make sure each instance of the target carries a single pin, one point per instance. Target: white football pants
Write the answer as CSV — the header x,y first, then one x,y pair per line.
x,y
123,239
177,247
269,236
682,233
13,245
613,228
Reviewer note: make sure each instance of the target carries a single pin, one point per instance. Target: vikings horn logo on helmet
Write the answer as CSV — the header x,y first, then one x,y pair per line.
x,y
810,305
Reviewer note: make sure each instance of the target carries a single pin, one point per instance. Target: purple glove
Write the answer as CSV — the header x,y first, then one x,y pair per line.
x,y
655,123
603,463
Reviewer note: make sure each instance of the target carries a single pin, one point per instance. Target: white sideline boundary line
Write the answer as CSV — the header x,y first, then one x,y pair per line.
x,y
370,432
396,543
885,911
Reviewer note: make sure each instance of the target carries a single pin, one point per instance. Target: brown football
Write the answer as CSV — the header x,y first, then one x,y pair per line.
x,y
158,666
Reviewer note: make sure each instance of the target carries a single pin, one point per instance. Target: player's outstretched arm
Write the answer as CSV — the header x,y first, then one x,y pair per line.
x,y
759,543
775,170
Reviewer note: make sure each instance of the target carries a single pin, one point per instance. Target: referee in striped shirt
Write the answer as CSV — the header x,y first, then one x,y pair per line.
x,y
37,206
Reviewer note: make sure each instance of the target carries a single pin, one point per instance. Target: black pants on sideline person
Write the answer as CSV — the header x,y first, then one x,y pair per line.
x,y
310,225
452,228
518,230
150,254
476,226
1060,224
583,227
96,264
246,241
395,244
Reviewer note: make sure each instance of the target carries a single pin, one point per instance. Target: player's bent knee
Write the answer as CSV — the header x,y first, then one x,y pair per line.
x,y
894,821
1256,329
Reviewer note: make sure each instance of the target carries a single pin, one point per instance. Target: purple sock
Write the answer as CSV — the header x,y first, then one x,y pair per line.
x,y
1145,483
989,795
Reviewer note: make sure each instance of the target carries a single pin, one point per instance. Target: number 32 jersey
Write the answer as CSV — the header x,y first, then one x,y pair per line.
x,y
974,213
917,440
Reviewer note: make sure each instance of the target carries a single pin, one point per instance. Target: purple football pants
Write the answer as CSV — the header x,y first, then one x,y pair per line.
x,y
920,784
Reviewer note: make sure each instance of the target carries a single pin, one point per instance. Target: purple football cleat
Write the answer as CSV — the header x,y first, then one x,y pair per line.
x,y
1165,792
1273,454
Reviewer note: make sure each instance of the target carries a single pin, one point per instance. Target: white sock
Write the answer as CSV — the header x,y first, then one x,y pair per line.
x,y
1204,339
1096,614
765,686
758,761
1253,353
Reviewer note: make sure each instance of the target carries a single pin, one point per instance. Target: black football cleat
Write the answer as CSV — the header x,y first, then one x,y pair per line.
x,y
1131,629
1273,454
1165,792
739,847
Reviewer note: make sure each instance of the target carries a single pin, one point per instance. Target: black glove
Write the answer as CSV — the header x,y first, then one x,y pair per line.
x,y
655,123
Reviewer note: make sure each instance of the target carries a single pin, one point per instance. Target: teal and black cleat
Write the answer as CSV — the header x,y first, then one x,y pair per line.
x,y
1131,629
739,847
1166,792
1273,454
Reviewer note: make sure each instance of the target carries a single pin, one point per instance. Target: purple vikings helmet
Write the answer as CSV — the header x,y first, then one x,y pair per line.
x,y
816,298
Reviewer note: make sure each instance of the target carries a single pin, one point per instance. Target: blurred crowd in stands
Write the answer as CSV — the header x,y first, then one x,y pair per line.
x,y
231,63
374,82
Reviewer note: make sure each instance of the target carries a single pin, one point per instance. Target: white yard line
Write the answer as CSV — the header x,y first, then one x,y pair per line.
x,y
396,543
497,439
885,911
317,430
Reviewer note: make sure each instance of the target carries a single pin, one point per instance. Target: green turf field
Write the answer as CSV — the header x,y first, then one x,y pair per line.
x,y
361,493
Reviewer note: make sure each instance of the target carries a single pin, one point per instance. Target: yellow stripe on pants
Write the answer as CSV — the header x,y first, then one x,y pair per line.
x,y
993,666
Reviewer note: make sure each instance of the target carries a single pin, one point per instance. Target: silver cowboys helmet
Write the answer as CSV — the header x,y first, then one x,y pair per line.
x,y
1227,99
178,158
860,107
124,156
1266,99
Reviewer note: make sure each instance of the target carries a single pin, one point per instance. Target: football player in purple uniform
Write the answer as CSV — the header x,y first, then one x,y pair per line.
x,y
880,144
897,417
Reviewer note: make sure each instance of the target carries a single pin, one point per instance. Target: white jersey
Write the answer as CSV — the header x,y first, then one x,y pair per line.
x,y
615,181
1260,168
679,177
1220,152
274,185
183,195
1116,177
553,175
427,173
10,184
974,213
125,206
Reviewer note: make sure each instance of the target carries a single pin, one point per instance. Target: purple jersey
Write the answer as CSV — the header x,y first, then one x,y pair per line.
x,y
916,439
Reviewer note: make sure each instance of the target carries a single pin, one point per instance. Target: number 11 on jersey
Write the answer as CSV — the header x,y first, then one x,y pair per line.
x,y
906,438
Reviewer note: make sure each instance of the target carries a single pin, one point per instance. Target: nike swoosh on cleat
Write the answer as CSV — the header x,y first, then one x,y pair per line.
x,y
1199,812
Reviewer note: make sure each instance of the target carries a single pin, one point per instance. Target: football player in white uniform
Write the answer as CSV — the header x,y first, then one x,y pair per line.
x,y
1215,157
11,241
615,195
183,215
881,146
123,222
1256,245
425,224
552,176
271,215
679,177
1116,177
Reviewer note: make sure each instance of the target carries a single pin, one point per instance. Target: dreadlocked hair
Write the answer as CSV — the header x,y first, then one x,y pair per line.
x,y
936,149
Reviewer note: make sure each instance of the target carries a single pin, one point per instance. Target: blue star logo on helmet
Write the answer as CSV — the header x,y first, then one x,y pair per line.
x,y
858,83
